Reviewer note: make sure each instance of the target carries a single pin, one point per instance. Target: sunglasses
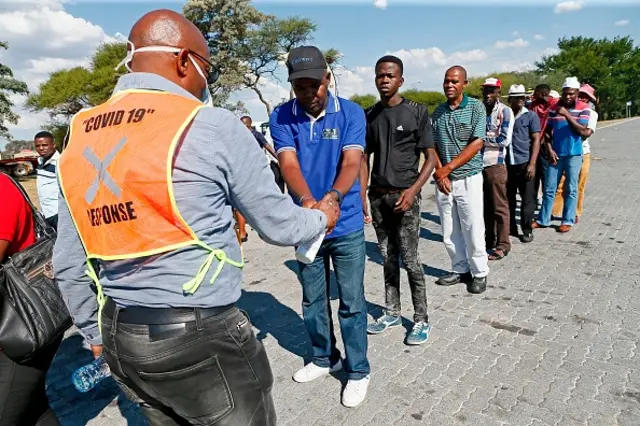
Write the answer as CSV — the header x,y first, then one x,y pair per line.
x,y
213,74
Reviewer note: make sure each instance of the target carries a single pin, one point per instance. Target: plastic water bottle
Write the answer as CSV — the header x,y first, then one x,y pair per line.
x,y
87,377
306,253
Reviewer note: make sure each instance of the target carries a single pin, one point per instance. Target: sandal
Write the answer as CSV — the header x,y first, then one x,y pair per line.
x,y
498,254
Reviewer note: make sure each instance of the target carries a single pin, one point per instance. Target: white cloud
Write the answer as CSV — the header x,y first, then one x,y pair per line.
x,y
569,6
621,23
381,4
43,38
515,33
538,37
519,42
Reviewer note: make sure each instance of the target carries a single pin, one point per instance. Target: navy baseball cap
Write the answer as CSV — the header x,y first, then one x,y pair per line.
x,y
306,62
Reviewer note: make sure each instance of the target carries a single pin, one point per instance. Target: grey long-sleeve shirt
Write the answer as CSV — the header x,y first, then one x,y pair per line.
x,y
218,166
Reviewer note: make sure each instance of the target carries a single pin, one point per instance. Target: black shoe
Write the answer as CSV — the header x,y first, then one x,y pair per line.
x,y
477,286
454,278
527,237
514,232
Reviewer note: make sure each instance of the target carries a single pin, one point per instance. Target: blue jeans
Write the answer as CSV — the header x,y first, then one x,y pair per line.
x,y
570,167
348,255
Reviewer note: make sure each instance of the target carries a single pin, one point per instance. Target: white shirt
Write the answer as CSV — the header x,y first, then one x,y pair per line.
x,y
47,184
593,122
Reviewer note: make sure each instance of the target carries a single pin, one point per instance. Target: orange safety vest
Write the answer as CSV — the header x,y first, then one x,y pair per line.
x,y
116,177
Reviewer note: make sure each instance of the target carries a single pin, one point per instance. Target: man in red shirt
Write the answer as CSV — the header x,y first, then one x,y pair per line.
x,y
23,399
542,103
16,220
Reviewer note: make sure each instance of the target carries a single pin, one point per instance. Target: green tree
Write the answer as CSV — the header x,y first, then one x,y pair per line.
x,y
429,99
610,66
247,45
8,86
67,91
226,25
365,101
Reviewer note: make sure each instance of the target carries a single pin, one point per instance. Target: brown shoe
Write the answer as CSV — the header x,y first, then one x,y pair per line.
x,y
564,228
536,225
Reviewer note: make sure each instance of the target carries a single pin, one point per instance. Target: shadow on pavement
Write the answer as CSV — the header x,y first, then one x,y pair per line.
x,y
270,316
74,408
431,217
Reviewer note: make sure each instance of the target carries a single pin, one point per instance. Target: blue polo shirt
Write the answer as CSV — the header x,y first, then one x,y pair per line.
x,y
319,143
527,122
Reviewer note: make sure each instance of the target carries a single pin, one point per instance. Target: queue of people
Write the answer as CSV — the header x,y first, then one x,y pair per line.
x,y
168,274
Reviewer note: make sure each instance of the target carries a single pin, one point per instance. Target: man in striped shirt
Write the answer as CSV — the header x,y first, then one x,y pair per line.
x,y
496,205
459,130
567,126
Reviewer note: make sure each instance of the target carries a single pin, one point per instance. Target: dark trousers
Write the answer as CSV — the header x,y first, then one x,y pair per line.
x,y
348,255
53,221
193,370
518,182
541,166
23,398
277,174
496,208
398,237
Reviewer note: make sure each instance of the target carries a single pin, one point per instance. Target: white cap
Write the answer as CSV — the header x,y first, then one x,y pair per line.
x,y
517,90
554,94
571,83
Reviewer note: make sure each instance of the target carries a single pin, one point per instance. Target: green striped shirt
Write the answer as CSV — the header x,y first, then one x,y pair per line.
x,y
454,129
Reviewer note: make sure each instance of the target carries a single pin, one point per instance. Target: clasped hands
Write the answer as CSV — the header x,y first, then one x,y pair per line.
x,y
441,176
327,205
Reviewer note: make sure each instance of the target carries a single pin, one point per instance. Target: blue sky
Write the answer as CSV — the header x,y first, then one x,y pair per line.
x,y
484,36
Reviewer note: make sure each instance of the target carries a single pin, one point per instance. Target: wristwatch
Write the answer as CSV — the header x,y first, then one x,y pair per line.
x,y
338,194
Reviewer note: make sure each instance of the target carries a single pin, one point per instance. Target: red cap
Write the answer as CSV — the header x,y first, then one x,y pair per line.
x,y
493,82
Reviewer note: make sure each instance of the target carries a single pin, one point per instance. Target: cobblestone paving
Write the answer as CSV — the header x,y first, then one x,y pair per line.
x,y
554,340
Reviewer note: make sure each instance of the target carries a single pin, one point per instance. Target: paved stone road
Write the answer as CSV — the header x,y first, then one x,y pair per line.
x,y
554,340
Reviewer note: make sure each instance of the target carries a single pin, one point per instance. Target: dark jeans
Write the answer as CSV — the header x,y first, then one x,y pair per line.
x,y
496,208
53,221
207,371
23,398
517,182
398,236
541,166
348,256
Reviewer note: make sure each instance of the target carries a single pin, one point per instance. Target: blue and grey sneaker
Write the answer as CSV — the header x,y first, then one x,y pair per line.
x,y
384,322
419,333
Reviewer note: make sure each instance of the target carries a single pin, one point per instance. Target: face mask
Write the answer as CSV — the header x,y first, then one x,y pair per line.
x,y
205,97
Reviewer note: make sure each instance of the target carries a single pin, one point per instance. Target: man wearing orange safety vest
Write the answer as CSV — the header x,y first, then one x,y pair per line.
x,y
148,183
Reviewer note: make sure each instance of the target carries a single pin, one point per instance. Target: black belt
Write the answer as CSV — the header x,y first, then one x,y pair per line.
x,y
156,316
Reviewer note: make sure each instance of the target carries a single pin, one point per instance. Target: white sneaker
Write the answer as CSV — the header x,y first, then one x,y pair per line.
x,y
311,372
355,392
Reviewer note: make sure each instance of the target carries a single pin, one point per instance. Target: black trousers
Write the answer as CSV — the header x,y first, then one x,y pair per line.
x,y
517,182
23,398
194,368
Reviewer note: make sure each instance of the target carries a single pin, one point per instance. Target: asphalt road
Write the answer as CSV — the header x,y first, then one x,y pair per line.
x,y
554,340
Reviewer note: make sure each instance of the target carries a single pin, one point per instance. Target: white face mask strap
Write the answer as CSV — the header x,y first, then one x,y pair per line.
x,y
133,50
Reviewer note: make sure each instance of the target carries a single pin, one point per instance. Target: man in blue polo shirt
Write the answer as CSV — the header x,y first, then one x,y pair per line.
x,y
567,126
320,140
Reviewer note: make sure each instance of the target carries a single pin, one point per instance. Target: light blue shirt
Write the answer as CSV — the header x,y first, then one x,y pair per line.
x,y
219,166
47,185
